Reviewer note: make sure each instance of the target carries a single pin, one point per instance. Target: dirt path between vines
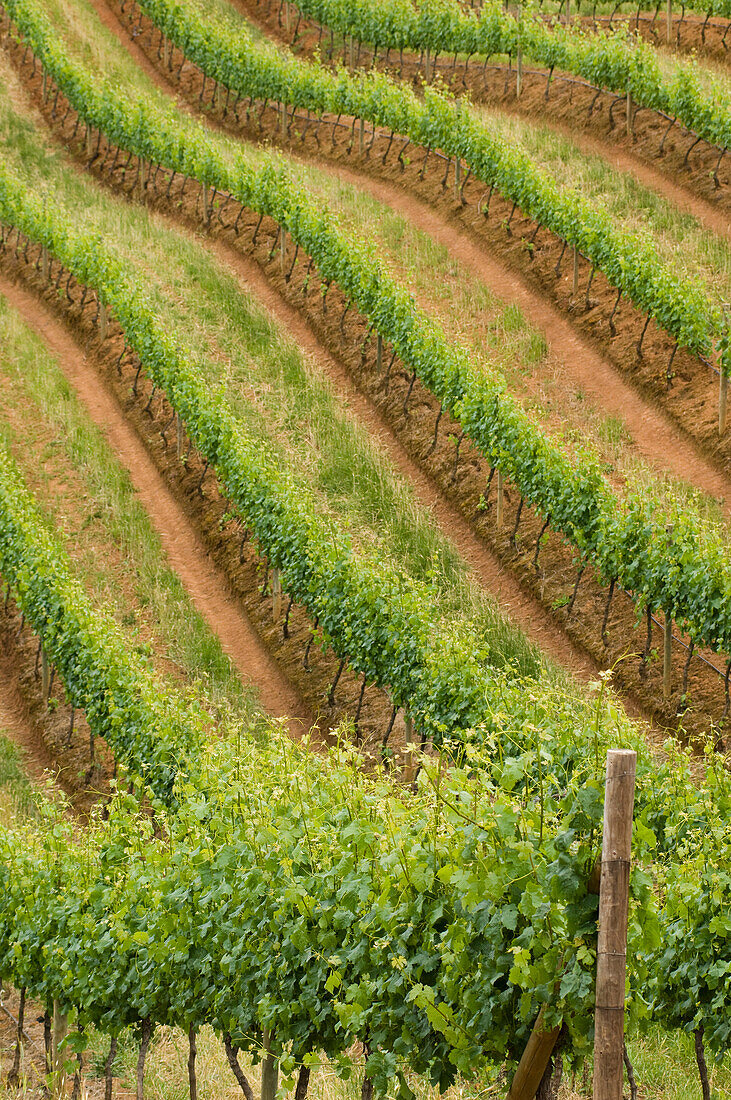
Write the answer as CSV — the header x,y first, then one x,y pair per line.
x,y
660,442
206,586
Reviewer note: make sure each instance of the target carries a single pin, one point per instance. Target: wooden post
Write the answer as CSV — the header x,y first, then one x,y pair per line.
x,y
283,253
576,270
269,1071
619,799
286,15
535,1059
352,65
45,673
361,137
630,114
379,352
60,1029
44,263
103,321
518,73
426,65
667,658
283,117
457,166
179,434
499,511
276,595
669,20
166,52
89,141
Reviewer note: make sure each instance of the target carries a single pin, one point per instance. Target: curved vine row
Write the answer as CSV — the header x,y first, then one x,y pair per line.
x,y
611,60
148,728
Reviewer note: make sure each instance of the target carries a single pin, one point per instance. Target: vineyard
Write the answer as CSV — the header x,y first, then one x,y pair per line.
x,y
365,475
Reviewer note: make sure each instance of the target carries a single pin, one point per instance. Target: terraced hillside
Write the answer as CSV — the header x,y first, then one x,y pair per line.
x,y
364,478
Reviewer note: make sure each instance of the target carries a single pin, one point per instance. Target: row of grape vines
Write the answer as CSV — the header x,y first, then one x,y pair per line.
x,y
609,60
293,898
676,568
628,260
148,729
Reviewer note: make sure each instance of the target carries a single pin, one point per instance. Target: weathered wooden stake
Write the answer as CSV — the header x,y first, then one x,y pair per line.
x,y
361,137
283,252
178,434
166,52
613,917
722,401
276,595
576,270
535,1059
669,20
457,166
103,322
141,178
45,675
269,1071
60,1029
352,65
500,494
44,263
518,73
283,118
379,352
667,658
630,114
568,12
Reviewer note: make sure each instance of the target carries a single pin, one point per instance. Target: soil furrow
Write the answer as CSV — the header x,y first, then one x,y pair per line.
x,y
205,584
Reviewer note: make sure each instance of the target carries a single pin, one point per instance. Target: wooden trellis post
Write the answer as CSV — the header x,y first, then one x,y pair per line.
x,y
613,918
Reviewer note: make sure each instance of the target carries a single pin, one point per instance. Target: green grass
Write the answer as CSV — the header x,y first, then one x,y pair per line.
x,y
20,800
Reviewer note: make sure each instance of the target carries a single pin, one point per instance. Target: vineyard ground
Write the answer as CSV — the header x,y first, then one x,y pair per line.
x,y
568,103
585,626
691,400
